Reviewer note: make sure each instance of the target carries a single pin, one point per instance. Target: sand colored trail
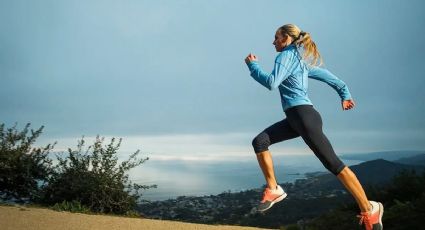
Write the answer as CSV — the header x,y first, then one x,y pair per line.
x,y
17,218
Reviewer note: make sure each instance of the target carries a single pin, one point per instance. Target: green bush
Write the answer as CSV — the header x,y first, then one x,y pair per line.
x,y
290,227
72,206
403,200
22,167
94,178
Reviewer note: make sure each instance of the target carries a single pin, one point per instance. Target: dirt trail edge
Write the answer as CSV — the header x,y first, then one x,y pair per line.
x,y
17,218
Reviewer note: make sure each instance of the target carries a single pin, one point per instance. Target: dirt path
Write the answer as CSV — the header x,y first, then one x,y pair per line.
x,y
17,218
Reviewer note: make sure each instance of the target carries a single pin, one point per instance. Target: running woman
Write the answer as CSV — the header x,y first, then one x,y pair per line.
x,y
299,59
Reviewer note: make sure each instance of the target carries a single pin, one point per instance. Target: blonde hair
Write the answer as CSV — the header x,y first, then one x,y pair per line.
x,y
302,38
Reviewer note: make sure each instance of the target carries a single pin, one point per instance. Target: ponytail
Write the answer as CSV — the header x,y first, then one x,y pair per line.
x,y
303,39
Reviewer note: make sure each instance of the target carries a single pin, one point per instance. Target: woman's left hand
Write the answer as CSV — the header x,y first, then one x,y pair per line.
x,y
348,104
250,58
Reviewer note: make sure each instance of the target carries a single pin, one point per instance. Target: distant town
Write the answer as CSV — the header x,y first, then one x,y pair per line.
x,y
307,198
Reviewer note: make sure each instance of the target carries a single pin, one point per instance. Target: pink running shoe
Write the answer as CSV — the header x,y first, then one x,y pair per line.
x,y
270,197
372,220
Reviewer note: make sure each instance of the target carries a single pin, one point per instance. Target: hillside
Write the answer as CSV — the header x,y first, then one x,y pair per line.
x,y
387,155
17,218
307,199
375,172
415,160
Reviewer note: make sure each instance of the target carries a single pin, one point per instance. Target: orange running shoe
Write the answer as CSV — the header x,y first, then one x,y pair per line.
x,y
270,197
372,220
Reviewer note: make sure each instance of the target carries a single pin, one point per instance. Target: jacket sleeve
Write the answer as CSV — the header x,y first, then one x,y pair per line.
x,y
270,80
326,76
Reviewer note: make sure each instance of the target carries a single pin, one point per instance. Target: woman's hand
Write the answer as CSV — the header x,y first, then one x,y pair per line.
x,y
250,58
348,104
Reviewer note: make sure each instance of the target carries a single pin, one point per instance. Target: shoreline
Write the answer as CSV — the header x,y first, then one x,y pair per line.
x,y
206,180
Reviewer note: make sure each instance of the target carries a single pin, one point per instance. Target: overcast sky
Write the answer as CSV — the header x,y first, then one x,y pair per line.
x,y
169,76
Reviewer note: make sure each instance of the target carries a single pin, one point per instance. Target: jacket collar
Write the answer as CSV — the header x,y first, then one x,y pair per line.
x,y
291,46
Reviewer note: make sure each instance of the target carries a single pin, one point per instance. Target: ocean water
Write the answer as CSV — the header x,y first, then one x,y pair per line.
x,y
197,178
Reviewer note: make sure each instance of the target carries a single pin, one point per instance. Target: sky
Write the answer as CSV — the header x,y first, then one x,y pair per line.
x,y
169,78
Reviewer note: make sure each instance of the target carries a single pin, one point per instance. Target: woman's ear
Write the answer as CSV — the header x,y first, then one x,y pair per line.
x,y
288,39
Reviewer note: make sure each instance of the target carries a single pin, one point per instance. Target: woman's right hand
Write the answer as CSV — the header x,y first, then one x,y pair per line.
x,y
250,58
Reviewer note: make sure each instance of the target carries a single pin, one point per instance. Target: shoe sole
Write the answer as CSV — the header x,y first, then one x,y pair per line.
x,y
381,213
280,198
379,225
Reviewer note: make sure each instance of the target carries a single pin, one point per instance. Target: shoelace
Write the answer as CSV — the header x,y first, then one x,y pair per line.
x,y
364,218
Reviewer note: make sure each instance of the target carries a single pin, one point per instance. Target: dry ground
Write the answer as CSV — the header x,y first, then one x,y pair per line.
x,y
17,218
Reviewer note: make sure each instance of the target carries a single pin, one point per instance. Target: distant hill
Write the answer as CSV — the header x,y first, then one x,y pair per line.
x,y
307,198
415,160
388,155
375,172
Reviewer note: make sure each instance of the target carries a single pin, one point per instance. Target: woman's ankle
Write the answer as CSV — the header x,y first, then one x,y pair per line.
x,y
272,186
369,208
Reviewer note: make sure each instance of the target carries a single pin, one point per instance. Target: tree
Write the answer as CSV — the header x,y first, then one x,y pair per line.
x,y
403,200
94,178
22,167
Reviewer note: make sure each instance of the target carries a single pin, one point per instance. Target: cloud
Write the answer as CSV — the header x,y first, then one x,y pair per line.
x,y
172,73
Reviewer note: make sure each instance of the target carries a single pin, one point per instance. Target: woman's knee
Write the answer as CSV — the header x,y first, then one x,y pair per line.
x,y
261,142
335,167
331,162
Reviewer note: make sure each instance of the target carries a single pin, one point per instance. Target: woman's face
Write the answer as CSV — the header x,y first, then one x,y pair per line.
x,y
280,41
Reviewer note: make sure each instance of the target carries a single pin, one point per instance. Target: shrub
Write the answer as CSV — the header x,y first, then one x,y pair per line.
x,y
22,167
290,227
73,206
94,178
403,200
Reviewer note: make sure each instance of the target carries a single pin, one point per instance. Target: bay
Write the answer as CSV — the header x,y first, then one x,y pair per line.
x,y
198,178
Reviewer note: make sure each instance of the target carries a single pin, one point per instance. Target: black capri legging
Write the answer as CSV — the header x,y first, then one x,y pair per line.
x,y
304,121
